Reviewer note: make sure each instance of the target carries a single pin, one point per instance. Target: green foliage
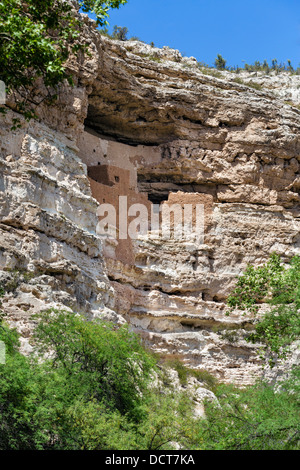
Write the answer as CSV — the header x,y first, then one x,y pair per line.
x,y
37,37
271,282
267,68
107,363
34,44
209,381
220,62
14,277
209,71
9,337
181,369
255,85
93,390
290,103
153,57
104,32
19,393
254,418
169,420
258,66
120,33
279,286
250,84
100,8
230,336
185,372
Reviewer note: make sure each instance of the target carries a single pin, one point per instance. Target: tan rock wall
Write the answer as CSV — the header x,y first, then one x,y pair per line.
x,y
234,146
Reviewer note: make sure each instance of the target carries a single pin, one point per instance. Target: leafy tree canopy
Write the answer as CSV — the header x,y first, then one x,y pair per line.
x,y
100,8
93,390
252,418
277,285
36,39
220,62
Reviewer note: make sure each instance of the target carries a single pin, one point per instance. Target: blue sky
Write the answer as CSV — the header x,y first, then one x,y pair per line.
x,y
239,30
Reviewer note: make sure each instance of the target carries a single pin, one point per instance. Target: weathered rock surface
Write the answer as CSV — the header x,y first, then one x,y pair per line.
x,y
175,131
47,230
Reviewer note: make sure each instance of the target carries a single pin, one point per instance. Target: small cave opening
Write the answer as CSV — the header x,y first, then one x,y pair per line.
x,y
158,199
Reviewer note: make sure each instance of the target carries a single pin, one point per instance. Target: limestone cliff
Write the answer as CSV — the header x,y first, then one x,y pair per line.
x,y
167,132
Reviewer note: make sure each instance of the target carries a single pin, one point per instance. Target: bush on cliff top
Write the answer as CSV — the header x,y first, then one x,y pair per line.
x,y
93,390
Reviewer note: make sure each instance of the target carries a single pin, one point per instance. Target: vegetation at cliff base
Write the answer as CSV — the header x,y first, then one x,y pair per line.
x,y
278,286
93,390
97,388
263,416
91,385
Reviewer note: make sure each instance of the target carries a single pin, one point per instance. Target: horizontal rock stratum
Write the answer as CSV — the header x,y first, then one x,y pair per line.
x,y
167,133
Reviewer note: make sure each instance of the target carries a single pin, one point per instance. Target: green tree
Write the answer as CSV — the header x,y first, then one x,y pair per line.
x,y
120,33
260,417
88,385
19,397
277,285
100,8
220,62
253,418
106,362
290,68
36,39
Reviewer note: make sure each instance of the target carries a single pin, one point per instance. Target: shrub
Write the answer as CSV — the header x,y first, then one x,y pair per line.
x,y
220,62
93,390
278,285
37,38
253,418
185,372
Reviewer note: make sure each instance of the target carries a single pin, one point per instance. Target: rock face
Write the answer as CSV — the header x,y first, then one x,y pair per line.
x,y
149,125
50,254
